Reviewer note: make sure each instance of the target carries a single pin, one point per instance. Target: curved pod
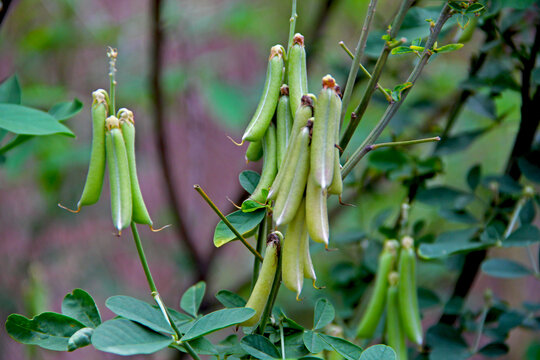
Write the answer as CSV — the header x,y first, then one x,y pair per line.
x,y
269,170
261,291
395,338
297,73
119,179
284,122
317,213
292,257
267,104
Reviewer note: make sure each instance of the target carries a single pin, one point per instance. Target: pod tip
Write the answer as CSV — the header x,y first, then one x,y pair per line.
x,y
284,90
276,50
159,229
112,122
298,39
68,209
235,143
328,82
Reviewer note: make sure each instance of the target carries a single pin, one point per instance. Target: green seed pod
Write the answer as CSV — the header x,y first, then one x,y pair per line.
x,y
336,188
327,114
119,179
309,270
296,63
294,181
269,99
292,258
408,299
140,214
263,285
317,213
96,169
254,151
269,167
375,307
304,113
284,122
395,337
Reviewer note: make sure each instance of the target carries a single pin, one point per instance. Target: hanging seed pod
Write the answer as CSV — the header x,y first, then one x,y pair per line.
x,y
284,122
317,212
395,337
309,270
119,179
375,307
297,71
254,151
263,285
304,113
292,258
96,169
336,188
269,167
267,105
408,298
327,114
293,183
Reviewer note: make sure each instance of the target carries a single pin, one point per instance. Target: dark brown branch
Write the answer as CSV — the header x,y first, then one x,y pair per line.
x,y
156,64
4,10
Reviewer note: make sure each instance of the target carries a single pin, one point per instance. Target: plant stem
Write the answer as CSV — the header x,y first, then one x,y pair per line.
x,y
112,54
292,25
359,53
393,108
261,241
515,216
480,329
271,299
227,222
406,142
366,72
150,280
379,65
282,338
190,351
533,261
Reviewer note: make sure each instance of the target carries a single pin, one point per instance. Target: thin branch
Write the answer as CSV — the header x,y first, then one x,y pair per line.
x,y
359,53
156,66
292,25
358,113
394,107
4,9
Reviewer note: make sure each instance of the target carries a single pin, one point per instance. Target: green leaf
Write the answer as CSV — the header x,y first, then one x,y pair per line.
x,y
192,298
201,346
81,338
439,250
505,184
474,8
378,352
401,50
345,348
313,342
524,236
427,298
458,142
444,196
124,337
245,223
448,48
139,311
387,159
80,306
504,268
473,177
251,205
218,320
24,120
230,299
446,343
259,347
324,314
458,216
249,180
65,110
230,346
10,91
294,345
495,349
529,169
48,330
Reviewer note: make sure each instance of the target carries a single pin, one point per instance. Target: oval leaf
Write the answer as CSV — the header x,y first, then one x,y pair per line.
x,y
504,268
249,180
259,347
139,311
217,320
230,299
65,110
324,314
243,222
10,91
81,338
124,337
313,342
48,330
192,298
345,348
80,306
378,352
524,236
24,120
